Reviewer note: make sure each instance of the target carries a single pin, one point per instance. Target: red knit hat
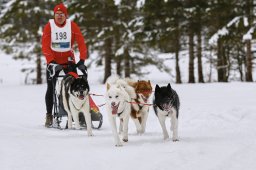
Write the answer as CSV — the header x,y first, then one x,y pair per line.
x,y
62,8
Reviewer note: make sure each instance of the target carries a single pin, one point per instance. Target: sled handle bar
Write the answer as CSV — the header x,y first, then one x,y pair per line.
x,y
83,69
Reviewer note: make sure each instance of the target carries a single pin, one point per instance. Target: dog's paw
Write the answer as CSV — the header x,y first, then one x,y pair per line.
x,y
78,128
119,144
90,134
166,137
175,140
139,132
125,140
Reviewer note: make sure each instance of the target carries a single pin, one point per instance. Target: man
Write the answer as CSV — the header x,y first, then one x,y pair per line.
x,y
58,38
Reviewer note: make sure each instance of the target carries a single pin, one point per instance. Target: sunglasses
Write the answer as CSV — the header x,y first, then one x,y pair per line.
x,y
60,15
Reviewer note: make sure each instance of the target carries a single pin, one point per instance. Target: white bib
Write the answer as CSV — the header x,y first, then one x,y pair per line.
x,y
60,36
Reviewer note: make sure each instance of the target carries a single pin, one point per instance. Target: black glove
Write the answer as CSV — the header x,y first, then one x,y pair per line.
x,y
81,65
71,67
53,68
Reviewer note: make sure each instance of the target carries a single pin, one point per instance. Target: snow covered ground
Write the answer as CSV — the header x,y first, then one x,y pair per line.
x,y
216,128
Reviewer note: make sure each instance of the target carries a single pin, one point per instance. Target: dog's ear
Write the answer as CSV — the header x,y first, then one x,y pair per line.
x,y
169,86
108,86
157,88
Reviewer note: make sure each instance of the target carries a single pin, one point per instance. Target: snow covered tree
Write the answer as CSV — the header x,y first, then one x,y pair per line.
x,y
163,20
249,14
231,38
221,12
97,18
21,25
175,17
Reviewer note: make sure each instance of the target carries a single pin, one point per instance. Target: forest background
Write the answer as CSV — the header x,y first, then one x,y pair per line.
x,y
128,35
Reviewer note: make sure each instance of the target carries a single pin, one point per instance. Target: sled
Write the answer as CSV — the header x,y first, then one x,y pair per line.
x,y
60,113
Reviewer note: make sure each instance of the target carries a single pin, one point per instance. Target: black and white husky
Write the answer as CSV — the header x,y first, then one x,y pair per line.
x,y
75,99
166,104
118,106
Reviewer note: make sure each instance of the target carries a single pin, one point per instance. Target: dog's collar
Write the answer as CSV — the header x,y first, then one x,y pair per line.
x,y
137,100
119,114
75,104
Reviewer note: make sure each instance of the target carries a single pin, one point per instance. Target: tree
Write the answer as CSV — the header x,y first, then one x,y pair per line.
x,y
249,15
162,20
190,30
174,16
222,12
98,18
21,28
201,17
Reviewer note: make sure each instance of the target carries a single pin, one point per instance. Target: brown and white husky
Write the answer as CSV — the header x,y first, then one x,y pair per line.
x,y
140,107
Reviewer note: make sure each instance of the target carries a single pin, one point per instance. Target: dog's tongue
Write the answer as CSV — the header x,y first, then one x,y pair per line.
x,y
114,109
144,99
81,97
166,107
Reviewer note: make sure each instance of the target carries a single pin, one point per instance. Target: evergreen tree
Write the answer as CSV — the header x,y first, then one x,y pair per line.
x,y
129,30
174,17
249,14
162,27
21,29
231,53
97,18
190,12
222,12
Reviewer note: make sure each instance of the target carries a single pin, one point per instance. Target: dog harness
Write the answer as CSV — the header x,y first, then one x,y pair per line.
x,y
74,104
60,36
75,75
119,114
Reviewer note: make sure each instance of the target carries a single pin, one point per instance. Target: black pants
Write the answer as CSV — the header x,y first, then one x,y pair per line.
x,y
51,82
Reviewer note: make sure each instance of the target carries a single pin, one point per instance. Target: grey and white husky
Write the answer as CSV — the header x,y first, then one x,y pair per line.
x,y
166,104
75,99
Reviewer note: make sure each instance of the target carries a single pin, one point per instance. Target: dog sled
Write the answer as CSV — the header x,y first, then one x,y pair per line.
x,y
59,113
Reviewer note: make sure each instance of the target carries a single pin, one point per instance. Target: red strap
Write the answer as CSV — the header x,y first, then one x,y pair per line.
x,y
73,74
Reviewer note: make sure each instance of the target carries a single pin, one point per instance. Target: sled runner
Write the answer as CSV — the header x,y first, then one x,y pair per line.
x,y
59,112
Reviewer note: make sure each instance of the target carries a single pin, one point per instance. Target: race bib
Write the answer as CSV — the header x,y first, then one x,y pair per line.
x,y
61,36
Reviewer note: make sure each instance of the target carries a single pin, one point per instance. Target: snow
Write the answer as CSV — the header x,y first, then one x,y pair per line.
x,y
224,30
118,2
248,35
216,129
246,22
234,21
139,4
214,39
7,6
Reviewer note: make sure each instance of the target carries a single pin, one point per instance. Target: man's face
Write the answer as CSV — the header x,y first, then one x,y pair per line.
x,y
59,17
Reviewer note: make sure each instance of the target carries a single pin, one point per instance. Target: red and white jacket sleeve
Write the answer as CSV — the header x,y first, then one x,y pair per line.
x,y
79,38
46,43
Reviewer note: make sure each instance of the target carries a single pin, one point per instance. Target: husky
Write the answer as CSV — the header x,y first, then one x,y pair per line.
x,y
166,104
75,99
140,109
117,105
